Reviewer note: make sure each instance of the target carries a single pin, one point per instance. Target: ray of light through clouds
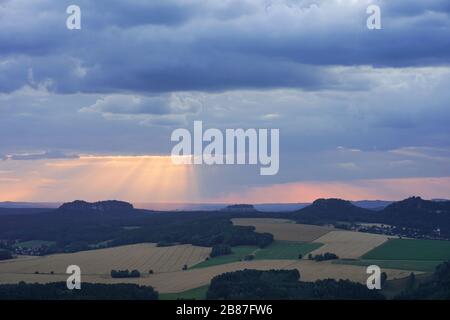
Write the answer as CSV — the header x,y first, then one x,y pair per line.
x,y
363,114
97,177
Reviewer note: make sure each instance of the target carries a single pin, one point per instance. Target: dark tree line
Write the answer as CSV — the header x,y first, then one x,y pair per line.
x,y
5,255
437,288
89,291
125,274
220,250
284,284
323,257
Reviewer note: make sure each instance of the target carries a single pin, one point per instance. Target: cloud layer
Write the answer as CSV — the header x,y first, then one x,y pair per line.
x,y
350,103
164,46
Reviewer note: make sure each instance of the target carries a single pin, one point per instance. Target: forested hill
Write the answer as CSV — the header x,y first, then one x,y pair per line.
x,y
101,206
418,213
81,226
332,210
430,217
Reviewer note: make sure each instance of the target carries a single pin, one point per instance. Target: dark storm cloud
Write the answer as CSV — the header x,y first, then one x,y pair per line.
x,y
164,46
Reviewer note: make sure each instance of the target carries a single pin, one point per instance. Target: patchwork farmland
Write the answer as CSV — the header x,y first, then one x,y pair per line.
x,y
356,250
179,281
345,244
407,254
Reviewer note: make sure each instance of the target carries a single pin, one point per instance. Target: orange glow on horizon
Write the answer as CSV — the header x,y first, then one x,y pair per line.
x,y
131,178
155,179
371,189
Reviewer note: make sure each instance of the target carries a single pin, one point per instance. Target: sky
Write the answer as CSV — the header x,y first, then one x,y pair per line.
x,y
88,114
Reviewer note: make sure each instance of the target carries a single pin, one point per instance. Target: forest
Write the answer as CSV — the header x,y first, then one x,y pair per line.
x,y
89,291
77,230
284,284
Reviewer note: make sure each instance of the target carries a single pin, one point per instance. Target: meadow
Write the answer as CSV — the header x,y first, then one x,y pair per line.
x,y
283,229
238,254
192,294
278,250
411,249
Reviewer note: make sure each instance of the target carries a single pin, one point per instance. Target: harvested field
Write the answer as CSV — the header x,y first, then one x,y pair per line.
x,y
284,230
143,257
349,244
179,281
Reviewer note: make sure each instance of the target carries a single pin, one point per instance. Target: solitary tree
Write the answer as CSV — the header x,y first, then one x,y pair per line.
x,y
383,278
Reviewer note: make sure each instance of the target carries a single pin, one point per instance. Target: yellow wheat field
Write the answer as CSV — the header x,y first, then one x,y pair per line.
x,y
285,230
349,244
179,281
143,257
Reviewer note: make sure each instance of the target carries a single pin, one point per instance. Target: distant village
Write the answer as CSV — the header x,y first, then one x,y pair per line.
x,y
389,230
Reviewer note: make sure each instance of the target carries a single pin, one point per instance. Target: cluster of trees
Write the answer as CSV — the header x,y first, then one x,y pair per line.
x,y
437,288
5,254
89,291
125,274
220,250
283,284
249,257
207,231
323,257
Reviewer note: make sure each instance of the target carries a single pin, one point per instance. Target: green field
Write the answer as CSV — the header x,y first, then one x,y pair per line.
x,y
411,249
410,265
193,294
34,244
285,250
238,254
277,250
